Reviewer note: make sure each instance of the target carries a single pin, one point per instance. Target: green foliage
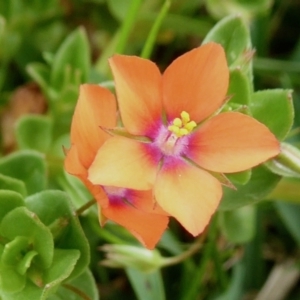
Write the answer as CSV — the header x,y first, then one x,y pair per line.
x,y
44,252
41,127
265,107
55,211
147,285
238,225
233,35
27,166
261,183
42,245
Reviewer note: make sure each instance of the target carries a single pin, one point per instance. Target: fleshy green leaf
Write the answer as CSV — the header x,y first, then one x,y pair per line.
x,y
9,200
238,225
275,109
55,211
63,264
240,177
28,166
9,183
22,222
261,183
239,87
233,35
74,289
42,128
13,250
10,280
71,63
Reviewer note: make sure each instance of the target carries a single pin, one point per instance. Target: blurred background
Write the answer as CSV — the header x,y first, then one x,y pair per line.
x,y
34,36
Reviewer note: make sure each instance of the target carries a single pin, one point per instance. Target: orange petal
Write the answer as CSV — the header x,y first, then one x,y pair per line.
x,y
123,162
96,107
189,194
196,82
232,142
138,86
144,200
74,166
146,227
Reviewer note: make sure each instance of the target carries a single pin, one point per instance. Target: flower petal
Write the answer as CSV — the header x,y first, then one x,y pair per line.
x,y
232,142
74,166
146,227
189,194
123,162
96,107
144,200
138,86
196,82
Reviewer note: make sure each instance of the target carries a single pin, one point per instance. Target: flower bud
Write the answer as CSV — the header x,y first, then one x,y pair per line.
x,y
124,256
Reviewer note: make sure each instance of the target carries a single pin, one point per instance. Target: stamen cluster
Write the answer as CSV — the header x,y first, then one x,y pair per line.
x,y
182,126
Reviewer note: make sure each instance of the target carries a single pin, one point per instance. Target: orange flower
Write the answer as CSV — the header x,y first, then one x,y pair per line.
x,y
171,111
132,209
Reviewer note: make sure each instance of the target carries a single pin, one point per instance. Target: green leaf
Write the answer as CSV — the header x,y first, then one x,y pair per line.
x,y
28,166
238,225
74,53
42,128
22,222
239,87
81,285
55,210
61,268
10,280
274,108
233,35
40,73
289,213
9,200
261,183
147,286
240,177
13,250
9,183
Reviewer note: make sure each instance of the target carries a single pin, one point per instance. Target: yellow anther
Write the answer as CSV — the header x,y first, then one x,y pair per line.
x,y
174,129
190,125
177,122
183,131
185,117
183,126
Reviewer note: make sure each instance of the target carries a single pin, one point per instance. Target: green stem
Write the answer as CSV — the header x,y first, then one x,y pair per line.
x,y
184,255
127,25
195,284
150,42
119,40
84,207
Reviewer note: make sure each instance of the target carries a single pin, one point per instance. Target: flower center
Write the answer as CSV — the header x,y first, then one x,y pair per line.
x,y
173,140
182,126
